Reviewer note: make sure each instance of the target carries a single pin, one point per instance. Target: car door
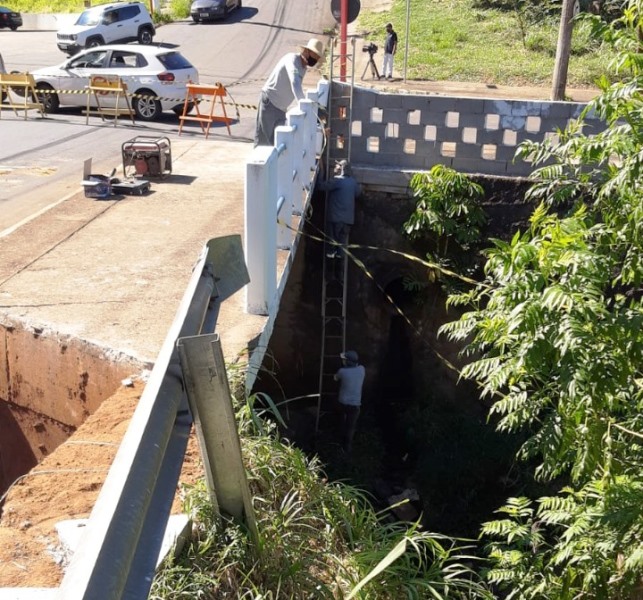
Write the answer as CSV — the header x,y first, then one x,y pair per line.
x,y
112,26
130,17
77,72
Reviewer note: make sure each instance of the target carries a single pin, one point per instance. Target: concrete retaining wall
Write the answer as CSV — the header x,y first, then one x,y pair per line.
x,y
471,135
50,22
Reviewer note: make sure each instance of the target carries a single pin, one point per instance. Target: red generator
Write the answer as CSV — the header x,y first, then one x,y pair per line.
x,y
146,156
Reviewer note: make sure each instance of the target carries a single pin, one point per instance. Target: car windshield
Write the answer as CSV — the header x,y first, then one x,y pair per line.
x,y
173,61
90,17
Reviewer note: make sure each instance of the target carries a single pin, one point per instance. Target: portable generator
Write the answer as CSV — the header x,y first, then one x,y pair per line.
x,y
146,156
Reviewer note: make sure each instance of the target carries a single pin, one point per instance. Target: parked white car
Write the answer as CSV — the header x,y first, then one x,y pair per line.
x,y
156,77
108,24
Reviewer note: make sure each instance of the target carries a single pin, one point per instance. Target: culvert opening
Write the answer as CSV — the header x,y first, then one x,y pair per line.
x,y
49,385
421,427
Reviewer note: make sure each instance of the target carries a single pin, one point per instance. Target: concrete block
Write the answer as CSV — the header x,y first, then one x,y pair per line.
x,y
505,153
476,120
387,101
473,106
395,115
515,122
491,137
471,151
527,108
556,110
446,134
497,107
411,131
392,146
440,104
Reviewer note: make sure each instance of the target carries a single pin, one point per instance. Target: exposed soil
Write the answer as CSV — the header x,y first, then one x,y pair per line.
x,y
65,486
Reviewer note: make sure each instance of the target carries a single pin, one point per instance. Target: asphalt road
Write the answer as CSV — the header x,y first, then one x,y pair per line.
x,y
41,160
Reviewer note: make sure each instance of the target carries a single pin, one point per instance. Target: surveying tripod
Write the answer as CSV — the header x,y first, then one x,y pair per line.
x,y
371,63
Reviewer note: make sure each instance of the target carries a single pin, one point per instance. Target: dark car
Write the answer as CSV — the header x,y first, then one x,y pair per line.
x,y
210,10
9,18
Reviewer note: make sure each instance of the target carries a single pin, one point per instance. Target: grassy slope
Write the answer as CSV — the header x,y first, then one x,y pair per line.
x,y
453,40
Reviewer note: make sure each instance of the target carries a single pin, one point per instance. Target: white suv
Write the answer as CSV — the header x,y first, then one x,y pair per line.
x,y
108,24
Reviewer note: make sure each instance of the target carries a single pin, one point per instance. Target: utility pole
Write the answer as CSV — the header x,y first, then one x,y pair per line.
x,y
563,50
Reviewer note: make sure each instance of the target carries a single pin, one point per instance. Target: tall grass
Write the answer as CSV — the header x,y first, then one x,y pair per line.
x,y
318,539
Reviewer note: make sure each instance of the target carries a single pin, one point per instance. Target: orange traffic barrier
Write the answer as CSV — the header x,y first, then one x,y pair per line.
x,y
197,95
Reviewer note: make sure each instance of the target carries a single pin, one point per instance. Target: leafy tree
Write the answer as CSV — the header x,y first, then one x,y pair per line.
x,y
555,333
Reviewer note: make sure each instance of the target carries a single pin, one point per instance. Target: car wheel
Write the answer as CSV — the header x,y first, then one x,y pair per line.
x,y
196,19
13,27
50,100
146,108
179,111
145,36
93,42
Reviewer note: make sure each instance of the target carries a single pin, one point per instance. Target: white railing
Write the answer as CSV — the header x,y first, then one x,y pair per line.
x,y
279,184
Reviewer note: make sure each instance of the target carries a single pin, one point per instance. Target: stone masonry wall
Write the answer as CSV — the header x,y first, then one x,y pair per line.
x,y
470,135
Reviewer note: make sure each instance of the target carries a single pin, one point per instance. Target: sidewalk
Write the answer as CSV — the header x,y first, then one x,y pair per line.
x,y
114,271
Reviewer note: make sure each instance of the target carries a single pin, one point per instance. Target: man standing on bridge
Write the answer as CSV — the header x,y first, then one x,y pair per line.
x,y
284,85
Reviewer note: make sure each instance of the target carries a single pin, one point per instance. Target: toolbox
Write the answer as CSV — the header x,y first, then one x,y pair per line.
x,y
105,186
147,156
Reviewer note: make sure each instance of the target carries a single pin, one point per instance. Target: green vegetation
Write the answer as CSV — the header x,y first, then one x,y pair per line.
x,y
317,539
491,42
555,332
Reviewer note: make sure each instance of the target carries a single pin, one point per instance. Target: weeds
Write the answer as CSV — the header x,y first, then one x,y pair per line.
x,y
317,539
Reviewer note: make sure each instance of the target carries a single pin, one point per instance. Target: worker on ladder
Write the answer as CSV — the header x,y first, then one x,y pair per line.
x,y
343,190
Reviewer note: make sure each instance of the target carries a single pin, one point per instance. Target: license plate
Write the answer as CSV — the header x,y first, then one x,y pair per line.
x,y
204,14
62,45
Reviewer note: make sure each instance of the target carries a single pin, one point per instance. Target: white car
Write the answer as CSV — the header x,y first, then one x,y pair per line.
x,y
156,77
108,24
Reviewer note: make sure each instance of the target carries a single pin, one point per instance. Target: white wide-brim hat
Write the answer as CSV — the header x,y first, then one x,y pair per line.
x,y
316,46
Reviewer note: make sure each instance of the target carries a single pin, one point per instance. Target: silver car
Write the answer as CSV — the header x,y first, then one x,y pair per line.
x,y
210,10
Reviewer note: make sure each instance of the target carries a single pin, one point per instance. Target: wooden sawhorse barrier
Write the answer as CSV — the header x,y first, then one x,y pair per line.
x,y
195,94
21,84
101,85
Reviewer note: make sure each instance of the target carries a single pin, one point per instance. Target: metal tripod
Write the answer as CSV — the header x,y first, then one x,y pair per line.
x,y
371,63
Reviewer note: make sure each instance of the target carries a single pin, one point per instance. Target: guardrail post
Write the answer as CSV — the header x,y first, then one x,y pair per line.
x,y
284,140
261,229
208,392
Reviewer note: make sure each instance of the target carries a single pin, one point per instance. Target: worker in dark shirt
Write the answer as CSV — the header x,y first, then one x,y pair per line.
x,y
390,48
342,190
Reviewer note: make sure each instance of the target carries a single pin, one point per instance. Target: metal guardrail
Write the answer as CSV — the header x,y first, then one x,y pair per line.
x,y
117,553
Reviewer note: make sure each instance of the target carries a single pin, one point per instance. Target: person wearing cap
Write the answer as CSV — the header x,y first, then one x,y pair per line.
x,y
282,88
340,211
390,48
351,379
